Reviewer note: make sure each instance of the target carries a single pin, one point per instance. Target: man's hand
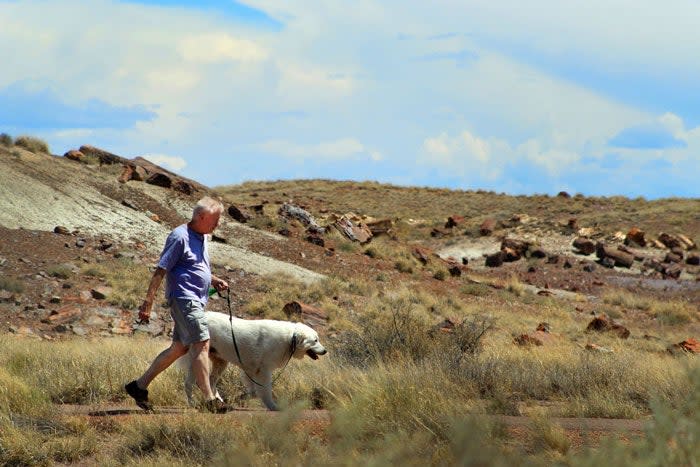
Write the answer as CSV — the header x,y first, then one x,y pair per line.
x,y
145,312
219,284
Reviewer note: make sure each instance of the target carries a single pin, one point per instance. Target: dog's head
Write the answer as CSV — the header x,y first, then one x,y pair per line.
x,y
307,342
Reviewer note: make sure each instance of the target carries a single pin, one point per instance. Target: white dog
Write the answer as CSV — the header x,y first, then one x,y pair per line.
x,y
264,345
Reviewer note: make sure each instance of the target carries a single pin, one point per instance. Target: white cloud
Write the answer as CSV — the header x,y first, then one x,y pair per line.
x,y
173,163
339,149
220,47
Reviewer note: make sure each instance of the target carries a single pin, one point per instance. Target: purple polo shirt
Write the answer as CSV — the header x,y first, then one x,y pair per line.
x,y
186,260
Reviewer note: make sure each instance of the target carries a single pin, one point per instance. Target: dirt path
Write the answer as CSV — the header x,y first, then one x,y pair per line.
x,y
579,431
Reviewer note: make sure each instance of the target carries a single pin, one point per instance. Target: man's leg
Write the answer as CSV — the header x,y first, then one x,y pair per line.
x,y
162,361
200,367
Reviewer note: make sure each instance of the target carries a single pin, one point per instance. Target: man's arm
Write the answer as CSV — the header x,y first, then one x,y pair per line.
x,y
145,308
219,284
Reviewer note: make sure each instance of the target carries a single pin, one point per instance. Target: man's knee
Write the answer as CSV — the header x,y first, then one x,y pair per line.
x,y
200,348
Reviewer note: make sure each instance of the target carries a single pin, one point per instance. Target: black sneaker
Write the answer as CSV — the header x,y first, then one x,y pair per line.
x,y
139,395
216,406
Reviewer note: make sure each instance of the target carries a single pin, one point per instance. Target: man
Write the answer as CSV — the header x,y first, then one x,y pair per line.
x,y
184,263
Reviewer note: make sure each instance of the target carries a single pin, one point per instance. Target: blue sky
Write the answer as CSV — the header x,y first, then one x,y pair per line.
x,y
590,97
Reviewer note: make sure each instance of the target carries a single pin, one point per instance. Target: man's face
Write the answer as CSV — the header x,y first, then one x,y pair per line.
x,y
208,222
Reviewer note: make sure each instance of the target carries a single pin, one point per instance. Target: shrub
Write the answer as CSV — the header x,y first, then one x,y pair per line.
x,y
5,139
32,144
441,274
11,284
62,271
403,266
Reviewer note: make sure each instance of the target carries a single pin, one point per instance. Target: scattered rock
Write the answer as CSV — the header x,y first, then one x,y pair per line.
x,y
495,260
101,292
690,345
620,258
74,155
544,327
635,236
589,267
487,227
687,242
454,221
6,296
61,230
693,259
673,258
310,315
316,239
66,314
239,214
290,211
669,241
597,348
357,233
605,324
422,254
584,245
438,233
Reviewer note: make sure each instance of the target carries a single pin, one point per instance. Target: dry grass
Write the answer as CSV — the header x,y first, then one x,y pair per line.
x,y
128,280
32,144
430,207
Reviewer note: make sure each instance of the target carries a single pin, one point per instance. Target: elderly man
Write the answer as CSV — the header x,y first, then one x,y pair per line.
x,y
184,263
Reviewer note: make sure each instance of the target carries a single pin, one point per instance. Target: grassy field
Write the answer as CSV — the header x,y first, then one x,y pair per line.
x,y
397,390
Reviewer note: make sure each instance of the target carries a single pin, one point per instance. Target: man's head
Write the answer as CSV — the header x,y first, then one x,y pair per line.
x,y
206,214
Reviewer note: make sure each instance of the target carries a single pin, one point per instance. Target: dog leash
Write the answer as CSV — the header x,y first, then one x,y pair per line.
x,y
293,347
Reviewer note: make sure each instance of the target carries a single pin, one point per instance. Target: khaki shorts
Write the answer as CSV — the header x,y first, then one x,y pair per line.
x,y
190,321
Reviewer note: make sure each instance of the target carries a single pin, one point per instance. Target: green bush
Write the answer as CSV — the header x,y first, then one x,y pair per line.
x,y
5,139
11,285
32,144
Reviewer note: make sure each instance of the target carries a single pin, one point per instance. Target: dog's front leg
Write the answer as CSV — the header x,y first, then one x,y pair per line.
x,y
266,393
189,385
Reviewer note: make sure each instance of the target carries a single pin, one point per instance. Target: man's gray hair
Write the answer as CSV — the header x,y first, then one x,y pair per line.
x,y
207,205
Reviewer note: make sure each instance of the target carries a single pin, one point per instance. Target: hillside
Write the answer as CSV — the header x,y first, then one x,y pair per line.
x,y
489,304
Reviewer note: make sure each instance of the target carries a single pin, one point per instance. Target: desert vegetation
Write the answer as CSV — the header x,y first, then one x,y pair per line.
x,y
428,358
398,389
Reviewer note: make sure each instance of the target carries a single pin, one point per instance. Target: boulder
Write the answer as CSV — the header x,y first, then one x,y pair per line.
x,y
380,226
239,214
422,254
306,313
669,241
673,258
356,233
690,345
605,324
563,194
101,292
635,236
495,260
687,242
74,155
454,221
160,179
59,229
291,211
105,157
620,258
64,315
487,227
693,259
584,245
520,247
